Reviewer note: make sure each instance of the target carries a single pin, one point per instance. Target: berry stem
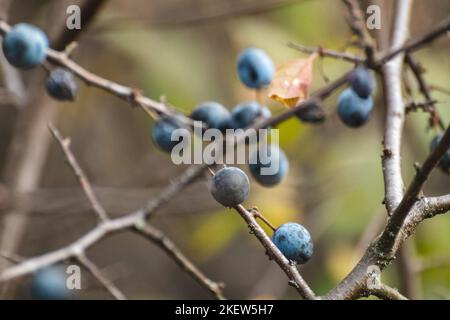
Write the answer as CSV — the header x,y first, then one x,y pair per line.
x,y
260,216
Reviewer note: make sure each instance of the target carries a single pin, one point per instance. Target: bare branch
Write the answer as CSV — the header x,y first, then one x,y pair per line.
x,y
323,52
357,23
388,238
64,143
391,71
98,274
430,106
295,279
354,284
414,44
162,241
385,292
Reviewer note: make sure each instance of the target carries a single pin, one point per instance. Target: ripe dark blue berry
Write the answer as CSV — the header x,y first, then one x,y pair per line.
x,y
353,110
294,241
444,163
268,165
362,81
311,113
255,68
246,113
25,46
163,129
61,85
213,114
230,186
49,284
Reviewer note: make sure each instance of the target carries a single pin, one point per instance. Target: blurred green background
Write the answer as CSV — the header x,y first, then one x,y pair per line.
x,y
185,50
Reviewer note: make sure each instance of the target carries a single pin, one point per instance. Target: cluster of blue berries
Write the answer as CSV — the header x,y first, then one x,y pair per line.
x,y
256,70
230,187
49,284
355,103
25,47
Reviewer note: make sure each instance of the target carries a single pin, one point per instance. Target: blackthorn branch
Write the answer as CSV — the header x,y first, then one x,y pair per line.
x,y
406,211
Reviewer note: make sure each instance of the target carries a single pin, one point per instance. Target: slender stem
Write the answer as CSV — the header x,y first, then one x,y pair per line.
x,y
162,241
257,214
64,143
385,292
414,44
323,52
98,274
295,279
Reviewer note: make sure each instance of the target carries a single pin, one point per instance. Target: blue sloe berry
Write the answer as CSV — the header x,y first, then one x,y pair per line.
x,y
49,283
444,163
353,110
311,113
255,68
272,156
230,186
163,129
362,81
61,85
246,113
213,114
25,46
294,241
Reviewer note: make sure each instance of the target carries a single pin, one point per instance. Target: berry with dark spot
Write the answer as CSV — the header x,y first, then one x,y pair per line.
x,y
268,165
164,128
353,110
25,46
294,241
213,114
61,85
362,82
49,284
255,68
230,186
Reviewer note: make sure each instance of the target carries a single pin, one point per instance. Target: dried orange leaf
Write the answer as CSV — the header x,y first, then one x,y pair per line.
x,y
292,81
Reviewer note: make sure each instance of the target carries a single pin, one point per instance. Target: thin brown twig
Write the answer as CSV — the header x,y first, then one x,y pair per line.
x,y
386,292
416,43
98,274
64,143
295,279
323,52
416,68
163,242
13,258
357,23
258,215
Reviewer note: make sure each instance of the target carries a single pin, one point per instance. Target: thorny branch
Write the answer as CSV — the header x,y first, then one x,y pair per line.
x,y
98,274
385,292
405,217
79,173
134,221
